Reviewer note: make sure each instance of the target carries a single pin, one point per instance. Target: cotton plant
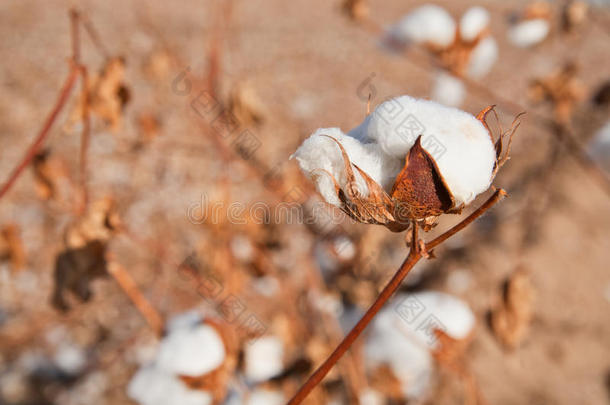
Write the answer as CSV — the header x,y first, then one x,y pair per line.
x,y
403,339
462,49
189,367
532,26
409,162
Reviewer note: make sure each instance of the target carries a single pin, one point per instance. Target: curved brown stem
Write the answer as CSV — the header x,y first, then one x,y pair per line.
x,y
29,155
416,252
388,291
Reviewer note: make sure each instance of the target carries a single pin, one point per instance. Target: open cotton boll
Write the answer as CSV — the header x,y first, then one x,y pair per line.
x,y
529,32
473,22
152,386
482,58
458,142
264,358
191,351
319,152
448,89
428,23
401,336
265,397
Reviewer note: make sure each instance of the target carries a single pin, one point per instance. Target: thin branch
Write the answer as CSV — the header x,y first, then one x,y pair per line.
x,y
413,257
150,314
85,138
497,196
44,132
416,252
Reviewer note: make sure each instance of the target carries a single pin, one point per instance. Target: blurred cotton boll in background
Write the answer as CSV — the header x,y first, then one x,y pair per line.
x,y
428,24
400,336
448,89
191,348
264,358
529,33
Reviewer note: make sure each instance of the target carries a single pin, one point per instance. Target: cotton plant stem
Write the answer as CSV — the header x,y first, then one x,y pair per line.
x,y
415,254
129,286
44,132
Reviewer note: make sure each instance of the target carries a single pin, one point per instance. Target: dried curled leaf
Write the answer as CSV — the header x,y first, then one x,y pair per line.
x,y
99,223
246,106
11,246
510,321
75,269
562,89
51,177
107,95
217,381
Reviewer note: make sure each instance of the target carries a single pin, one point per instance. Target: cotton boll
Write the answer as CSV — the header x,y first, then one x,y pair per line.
x,y
191,351
264,358
70,359
473,22
265,397
529,32
185,320
320,152
482,58
402,337
152,386
369,396
425,24
459,143
448,89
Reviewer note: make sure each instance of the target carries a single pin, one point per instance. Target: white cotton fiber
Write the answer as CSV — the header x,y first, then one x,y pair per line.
x,y
448,89
151,386
402,337
320,152
191,351
529,32
369,396
426,24
473,22
264,358
459,143
599,147
265,397
482,58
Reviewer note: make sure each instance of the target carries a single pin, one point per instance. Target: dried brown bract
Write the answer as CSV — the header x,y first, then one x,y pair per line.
x,y
356,10
562,89
511,319
107,95
11,246
245,105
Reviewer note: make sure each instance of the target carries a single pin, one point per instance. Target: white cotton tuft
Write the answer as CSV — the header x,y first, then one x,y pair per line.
x,y
473,22
599,147
264,358
265,397
529,32
426,24
191,351
319,152
458,142
448,89
151,386
401,336
482,58
369,396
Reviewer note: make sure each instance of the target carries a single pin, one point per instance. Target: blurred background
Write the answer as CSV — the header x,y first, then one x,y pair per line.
x,y
157,245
